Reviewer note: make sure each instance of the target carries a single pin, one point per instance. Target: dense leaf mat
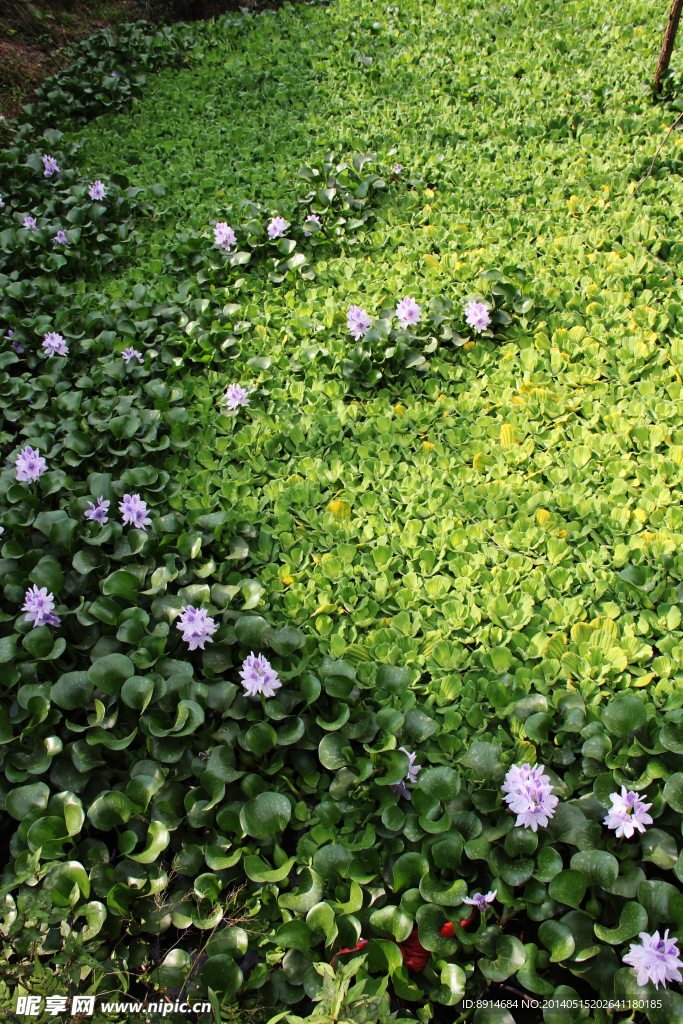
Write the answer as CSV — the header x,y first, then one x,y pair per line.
x,y
465,546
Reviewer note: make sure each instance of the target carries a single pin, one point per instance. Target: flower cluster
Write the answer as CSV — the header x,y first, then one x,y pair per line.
x,y
60,238
477,316
55,345
277,228
235,396
50,165
39,607
358,322
197,627
30,465
258,676
408,312
131,353
30,224
656,960
96,190
98,513
530,796
627,813
224,236
134,511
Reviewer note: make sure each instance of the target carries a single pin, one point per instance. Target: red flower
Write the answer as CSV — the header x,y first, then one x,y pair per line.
x,y
361,943
415,956
448,930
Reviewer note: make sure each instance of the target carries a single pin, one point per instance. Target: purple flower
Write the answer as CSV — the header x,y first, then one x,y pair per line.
x,y
134,511
358,322
116,74
627,813
131,353
1,203
259,677
408,312
398,168
413,769
529,796
30,465
60,238
479,901
224,236
55,345
196,627
477,316
411,775
50,165
313,223
277,228
39,607
401,790
96,190
98,513
656,960
235,396
30,224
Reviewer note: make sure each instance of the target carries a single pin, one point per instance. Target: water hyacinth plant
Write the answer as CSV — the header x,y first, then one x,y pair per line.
x,y
352,678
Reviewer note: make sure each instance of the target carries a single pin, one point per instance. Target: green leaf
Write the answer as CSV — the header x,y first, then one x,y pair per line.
x,y
528,975
109,810
158,839
24,799
623,715
110,673
673,791
558,939
568,887
393,922
137,692
655,897
222,974
72,690
510,957
483,760
258,871
267,814
632,921
95,914
408,871
121,584
441,782
597,867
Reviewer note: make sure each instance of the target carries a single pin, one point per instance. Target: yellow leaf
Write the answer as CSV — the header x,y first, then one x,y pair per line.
x,y
399,409
469,344
287,580
323,608
525,752
542,516
427,446
507,435
340,509
432,261
480,462
429,192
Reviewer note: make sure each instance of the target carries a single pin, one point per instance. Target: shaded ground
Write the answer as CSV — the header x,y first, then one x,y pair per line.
x,y
37,38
